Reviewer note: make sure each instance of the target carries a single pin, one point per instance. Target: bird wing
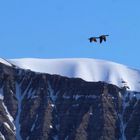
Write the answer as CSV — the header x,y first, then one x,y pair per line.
x,y
101,39
90,39
104,38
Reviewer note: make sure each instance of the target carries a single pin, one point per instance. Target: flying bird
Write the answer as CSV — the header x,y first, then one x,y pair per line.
x,y
101,38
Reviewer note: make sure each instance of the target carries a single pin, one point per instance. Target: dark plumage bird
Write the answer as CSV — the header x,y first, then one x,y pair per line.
x,y
93,39
101,38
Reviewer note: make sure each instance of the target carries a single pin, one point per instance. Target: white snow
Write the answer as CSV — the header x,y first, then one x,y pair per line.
x,y
12,92
9,116
51,126
85,68
120,115
88,96
17,121
77,97
2,136
133,94
33,126
1,97
20,96
33,97
52,105
66,97
1,94
90,113
51,93
8,126
4,61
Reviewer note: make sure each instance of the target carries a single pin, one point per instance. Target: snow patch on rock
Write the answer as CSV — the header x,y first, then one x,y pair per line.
x,y
88,69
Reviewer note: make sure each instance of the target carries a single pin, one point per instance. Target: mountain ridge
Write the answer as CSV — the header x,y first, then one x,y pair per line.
x,y
88,69
38,106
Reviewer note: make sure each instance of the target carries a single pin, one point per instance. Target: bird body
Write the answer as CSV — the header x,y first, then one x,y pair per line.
x,y
101,38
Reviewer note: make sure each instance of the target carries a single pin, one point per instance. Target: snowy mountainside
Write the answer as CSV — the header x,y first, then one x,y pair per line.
x,y
4,61
87,69
38,105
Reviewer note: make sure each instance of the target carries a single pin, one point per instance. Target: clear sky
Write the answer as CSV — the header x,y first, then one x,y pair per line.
x,y
61,28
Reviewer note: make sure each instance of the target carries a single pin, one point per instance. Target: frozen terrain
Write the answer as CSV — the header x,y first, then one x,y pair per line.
x,y
4,61
87,69
54,104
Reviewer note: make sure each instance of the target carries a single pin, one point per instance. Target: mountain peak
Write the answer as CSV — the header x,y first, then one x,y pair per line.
x,y
85,68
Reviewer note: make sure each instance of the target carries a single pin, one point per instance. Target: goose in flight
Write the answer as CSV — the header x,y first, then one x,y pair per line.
x,y
101,38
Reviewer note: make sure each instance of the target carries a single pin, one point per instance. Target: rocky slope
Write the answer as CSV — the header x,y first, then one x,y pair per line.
x,y
40,106
92,70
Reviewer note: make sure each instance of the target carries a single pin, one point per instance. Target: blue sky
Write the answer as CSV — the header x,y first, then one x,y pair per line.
x,y
61,28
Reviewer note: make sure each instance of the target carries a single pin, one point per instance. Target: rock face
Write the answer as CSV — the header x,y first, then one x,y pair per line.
x,y
37,106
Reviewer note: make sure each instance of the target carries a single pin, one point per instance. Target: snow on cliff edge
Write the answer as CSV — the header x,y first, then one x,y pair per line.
x,y
87,69
4,61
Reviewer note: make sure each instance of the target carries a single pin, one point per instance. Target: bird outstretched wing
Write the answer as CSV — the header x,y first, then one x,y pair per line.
x,y
104,38
101,39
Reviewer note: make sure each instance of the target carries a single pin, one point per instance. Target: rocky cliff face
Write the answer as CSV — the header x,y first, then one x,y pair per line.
x,y
37,106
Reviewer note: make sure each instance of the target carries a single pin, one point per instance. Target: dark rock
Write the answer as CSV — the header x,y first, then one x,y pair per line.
x,y
50,107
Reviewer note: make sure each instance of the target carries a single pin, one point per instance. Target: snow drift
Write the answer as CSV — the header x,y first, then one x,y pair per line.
x,y
87,69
